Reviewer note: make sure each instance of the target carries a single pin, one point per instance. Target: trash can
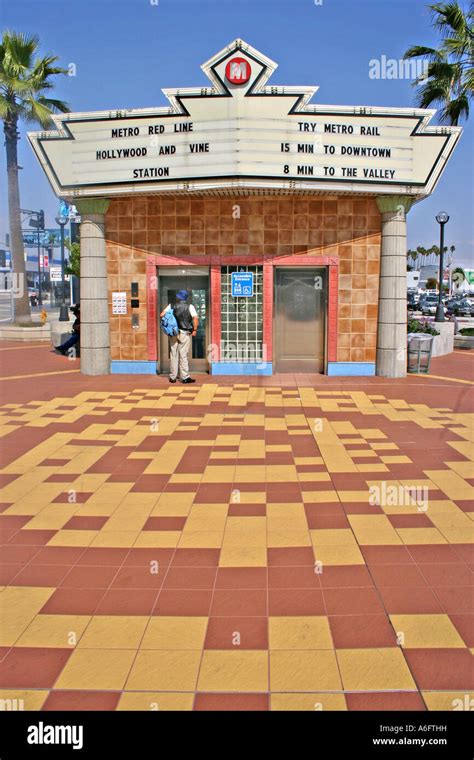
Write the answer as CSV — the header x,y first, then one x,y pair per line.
x,y
419,352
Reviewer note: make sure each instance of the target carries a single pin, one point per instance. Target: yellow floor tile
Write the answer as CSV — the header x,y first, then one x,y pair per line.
x,y
207,517
96,669
201,539
115,538
149,539
73,538
374,669
426,631
175,633
299,633
447,701
319,497
113,632
338,555
282,538
314,702
62,631
18,699
164,670
304,670
155,701
245,531
18,606
243,556
230,671
333,537
421,536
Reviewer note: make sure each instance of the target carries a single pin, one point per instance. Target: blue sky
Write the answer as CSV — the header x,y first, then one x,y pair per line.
x,y
125,51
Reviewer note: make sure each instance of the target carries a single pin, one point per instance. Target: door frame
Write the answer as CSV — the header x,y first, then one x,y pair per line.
x,y
325,311
214,262
159,271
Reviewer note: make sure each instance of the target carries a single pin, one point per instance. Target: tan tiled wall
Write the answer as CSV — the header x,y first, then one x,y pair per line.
x,y
345,227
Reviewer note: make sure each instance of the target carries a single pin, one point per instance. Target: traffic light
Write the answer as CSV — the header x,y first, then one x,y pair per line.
x,y
41,220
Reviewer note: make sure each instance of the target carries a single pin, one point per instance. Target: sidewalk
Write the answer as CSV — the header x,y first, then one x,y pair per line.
x,y
244,543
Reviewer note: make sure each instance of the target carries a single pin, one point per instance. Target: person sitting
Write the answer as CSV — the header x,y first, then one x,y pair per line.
x,y
65,348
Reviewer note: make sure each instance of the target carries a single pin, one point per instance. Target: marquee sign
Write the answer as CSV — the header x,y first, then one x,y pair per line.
x,y
240,133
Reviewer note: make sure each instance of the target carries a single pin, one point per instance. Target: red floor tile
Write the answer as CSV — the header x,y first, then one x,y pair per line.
x,y
290,557
122,602
282,602
58,555
397,575
81,602
386,555
222,633
102,557
133,577
345,576
89,577
81,700
352,601
441,669
32,668
448,574
293,577
241,578
195,558
362,631
455,599
378,701
417,600
190,578
238,602
165,523
183,603
465,627
42,575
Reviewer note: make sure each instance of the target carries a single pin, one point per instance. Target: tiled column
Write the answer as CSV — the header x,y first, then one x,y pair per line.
x,y
392,316
95,340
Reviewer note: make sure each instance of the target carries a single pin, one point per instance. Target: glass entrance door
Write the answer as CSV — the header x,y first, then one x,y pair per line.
x,y
196,282
300,307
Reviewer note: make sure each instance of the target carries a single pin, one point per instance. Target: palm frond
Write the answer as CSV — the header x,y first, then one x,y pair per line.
x,y
416,51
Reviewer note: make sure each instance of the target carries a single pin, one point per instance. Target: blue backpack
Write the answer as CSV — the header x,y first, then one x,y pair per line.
x,y
169,324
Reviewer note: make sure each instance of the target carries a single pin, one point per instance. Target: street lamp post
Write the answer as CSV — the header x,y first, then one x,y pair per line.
x,y
442,218
63,310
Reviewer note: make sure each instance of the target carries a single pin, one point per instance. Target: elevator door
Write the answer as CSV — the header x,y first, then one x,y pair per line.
x,y
198,286
300,306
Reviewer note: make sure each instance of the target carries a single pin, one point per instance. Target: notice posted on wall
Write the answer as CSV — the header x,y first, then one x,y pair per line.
x,y
119,303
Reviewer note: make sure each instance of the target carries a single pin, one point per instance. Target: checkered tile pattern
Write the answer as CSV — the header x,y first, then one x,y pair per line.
x,y
236,547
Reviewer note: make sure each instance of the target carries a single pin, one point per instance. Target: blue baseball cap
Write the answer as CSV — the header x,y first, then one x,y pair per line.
x,y
182,295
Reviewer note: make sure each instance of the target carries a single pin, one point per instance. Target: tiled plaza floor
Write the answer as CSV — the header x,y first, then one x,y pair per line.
x,y
237,544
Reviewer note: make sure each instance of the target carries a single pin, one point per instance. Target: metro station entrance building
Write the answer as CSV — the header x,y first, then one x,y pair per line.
x,y
285,220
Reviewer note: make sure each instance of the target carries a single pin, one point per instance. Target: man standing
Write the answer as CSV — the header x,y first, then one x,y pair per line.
x,y
187,319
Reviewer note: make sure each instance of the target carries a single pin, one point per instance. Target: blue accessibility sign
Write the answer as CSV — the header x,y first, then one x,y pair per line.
x,y
242,284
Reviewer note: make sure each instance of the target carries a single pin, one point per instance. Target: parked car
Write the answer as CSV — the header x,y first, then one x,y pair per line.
x,y
430,304
460,307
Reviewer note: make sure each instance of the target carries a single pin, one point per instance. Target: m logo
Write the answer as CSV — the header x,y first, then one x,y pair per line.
x,y
238,71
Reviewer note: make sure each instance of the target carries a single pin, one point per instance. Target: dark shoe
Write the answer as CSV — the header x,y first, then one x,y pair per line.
x,y
188,380
172,379
61,350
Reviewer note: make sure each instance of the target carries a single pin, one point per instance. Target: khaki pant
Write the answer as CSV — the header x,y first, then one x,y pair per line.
x,y
179,348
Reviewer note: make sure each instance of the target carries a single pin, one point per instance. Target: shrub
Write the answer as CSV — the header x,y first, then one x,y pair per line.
x,y
421,326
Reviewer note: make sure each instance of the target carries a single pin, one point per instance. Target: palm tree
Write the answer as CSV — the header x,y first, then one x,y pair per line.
x,y
449,79
24,78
